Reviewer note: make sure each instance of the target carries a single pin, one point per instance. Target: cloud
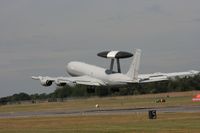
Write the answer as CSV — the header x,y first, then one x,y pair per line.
x,y
155,9
40,37
196,20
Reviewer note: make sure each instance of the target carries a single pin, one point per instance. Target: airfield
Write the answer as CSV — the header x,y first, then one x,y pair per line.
x,y
114,114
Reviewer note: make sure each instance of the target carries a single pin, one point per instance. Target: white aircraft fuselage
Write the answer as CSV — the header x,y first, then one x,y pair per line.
x,y
109,77
91,75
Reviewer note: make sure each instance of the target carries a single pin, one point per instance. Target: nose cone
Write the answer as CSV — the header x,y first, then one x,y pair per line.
x,y
70,67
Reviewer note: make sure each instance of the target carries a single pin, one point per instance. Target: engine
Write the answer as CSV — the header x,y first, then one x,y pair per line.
x,y
71,84
46,82
64,83
60,83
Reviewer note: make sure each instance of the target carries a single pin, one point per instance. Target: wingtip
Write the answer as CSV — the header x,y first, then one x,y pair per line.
x,y
34,77
194,71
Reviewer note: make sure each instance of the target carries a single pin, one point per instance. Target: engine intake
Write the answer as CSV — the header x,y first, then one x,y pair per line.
x,y
46,82
60,83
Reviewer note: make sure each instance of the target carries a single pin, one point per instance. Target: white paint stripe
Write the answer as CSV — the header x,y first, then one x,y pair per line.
x,y
112,54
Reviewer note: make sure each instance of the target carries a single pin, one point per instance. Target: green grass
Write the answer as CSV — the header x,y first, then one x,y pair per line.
x,y
127,123
134,123
183,98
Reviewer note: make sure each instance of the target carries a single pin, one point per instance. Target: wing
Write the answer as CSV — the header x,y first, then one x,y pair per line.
x,y
71,81
145,78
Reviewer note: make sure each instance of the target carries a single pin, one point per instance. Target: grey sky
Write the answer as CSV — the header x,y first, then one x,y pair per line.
x,y
41,36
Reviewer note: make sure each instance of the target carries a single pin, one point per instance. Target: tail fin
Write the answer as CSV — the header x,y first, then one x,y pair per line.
x,y
134,67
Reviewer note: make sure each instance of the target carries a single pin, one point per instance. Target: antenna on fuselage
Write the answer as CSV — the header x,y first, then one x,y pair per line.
x,y
115,55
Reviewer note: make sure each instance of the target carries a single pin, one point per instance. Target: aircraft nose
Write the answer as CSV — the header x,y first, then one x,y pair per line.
x,y
71,67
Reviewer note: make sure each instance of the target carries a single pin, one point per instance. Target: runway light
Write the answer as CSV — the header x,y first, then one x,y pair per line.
x,y
152,114
97,105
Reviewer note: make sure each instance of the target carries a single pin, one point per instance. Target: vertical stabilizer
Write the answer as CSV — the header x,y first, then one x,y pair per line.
x,y
134,67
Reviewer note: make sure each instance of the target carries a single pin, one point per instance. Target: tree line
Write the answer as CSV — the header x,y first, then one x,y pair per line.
x,y
179,84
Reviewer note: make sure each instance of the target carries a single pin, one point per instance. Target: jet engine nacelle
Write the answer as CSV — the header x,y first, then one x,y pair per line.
x,y
60,83
64,83
46,82
71,84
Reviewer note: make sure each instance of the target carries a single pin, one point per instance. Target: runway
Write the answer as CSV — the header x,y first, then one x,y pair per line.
x,y
99,111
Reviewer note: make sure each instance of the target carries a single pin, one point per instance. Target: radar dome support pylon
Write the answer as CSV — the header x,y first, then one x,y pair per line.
x,y
115,55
